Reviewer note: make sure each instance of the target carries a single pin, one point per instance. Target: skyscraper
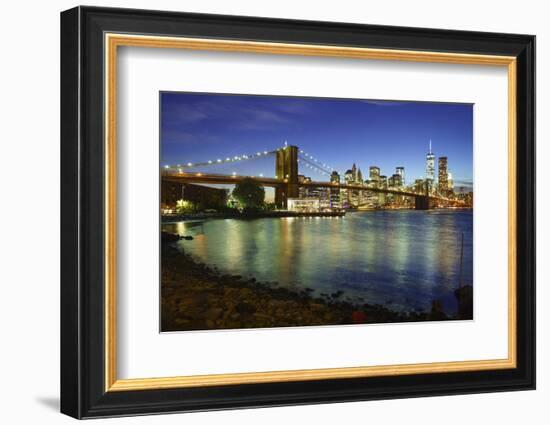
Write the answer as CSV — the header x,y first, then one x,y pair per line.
x,y
401,172
450,182
335,177
384,185
335,201
374,176
430,166
395,181
348,177
442,182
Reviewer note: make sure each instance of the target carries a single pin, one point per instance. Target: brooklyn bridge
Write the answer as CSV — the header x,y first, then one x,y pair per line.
x,y
287,182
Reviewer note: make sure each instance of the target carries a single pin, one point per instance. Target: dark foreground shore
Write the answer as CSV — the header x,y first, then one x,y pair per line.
x,y
197,297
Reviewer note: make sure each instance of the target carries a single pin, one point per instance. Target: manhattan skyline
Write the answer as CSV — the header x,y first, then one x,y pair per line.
x,y
197,127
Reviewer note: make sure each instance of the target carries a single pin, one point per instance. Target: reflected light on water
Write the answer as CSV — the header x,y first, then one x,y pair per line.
x,y
402,259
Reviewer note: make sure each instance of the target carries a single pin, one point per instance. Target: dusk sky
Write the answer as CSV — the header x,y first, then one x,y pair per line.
x,y
197,127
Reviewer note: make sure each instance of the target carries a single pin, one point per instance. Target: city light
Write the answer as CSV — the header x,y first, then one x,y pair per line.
x,y
349,189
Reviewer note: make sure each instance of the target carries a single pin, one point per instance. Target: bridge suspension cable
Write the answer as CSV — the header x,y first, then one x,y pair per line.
x,y
221,160
305,158
313,166
315,161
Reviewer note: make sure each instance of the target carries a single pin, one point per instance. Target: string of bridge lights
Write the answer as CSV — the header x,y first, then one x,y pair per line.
x,y
309,161
226,160
315,160
312,166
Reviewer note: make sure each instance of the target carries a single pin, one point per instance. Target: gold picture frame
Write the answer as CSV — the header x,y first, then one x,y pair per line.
x,y
114,41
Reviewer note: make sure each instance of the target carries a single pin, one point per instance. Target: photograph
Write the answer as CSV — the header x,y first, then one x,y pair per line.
x,y
280,211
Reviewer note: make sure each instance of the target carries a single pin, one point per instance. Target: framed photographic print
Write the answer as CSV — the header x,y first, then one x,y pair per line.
x,y
261,212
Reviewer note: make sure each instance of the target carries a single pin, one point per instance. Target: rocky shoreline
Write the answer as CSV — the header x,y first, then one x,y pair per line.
x,y
197,297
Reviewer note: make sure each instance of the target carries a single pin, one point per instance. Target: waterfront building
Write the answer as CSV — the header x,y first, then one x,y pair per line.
x,y
321,194
442,182
359,177
303,205
324,196
430,166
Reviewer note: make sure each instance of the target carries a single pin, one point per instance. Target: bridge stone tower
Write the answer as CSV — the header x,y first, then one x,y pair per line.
x,y
286,170
423,202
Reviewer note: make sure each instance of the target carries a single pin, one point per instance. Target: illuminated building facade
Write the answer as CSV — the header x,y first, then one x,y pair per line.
x,y
335,201
430,166
303,191
442,182
401,172
374,175
395,181
303,205
383,184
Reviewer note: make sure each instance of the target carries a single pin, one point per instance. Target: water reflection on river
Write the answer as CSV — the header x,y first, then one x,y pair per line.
x,y
401,259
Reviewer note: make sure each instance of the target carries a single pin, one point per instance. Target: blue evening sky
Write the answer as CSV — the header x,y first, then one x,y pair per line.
x,y
197,127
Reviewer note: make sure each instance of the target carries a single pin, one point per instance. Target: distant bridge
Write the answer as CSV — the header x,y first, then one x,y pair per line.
x,y
286,182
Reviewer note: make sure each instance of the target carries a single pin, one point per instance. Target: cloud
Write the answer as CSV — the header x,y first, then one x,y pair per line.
x,y
257,119
216,110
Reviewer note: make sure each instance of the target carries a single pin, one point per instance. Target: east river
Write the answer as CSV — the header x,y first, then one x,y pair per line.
x,y
402,259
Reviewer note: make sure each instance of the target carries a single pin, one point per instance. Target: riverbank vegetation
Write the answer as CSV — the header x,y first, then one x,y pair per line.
x,y
248,196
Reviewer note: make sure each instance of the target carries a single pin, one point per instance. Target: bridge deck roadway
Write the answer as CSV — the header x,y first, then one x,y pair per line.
x,y
273,182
